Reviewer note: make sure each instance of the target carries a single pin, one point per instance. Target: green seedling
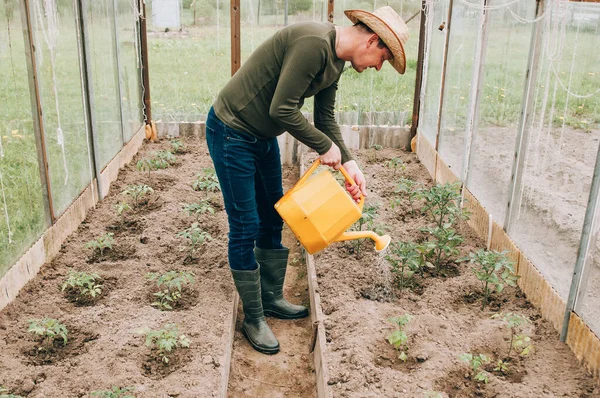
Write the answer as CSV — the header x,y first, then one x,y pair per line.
x,y
433,394
494,270
137,192
48,330
122,208
177,146
442,203
398,338
476,362
377,147
409,189
171,285
502,367
395,164
115,392
520,342
443,246
198,209
84,285
165,340
207,181
99,245
404,260
368,218
4,393
195,236
165,156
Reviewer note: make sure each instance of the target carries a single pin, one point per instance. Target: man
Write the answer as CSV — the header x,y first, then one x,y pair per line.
x,y
261,101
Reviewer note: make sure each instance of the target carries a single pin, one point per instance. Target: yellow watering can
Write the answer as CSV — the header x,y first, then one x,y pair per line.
x,y
319,211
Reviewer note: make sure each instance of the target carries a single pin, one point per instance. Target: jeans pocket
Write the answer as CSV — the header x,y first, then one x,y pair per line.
x,y
235,135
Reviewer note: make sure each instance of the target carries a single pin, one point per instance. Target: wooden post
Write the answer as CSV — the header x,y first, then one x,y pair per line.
x,y
419,77
145,63
235,37
443,82
330,10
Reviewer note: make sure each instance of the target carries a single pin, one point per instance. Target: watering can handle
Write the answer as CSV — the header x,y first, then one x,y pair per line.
x,y
316,164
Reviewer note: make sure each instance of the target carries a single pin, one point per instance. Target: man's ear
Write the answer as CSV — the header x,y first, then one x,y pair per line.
x,y
373,39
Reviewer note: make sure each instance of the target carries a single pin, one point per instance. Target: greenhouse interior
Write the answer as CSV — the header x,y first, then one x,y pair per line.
x,y
482,168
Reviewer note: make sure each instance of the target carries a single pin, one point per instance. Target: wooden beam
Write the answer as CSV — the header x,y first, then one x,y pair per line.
x,y
235,37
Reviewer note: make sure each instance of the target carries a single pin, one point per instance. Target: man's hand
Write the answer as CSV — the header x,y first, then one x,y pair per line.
x,y
358,177
333,157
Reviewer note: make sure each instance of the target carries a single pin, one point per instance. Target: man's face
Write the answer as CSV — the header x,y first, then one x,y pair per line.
x,y
369,55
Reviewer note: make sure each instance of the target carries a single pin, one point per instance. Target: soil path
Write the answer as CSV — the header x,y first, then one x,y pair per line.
x,y
291,371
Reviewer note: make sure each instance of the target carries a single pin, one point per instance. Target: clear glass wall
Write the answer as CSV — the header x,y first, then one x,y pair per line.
x,y
99,16
22,213
128,49
61,97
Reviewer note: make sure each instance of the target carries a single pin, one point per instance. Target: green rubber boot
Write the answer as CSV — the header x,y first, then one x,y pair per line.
x,y
255,326
273,263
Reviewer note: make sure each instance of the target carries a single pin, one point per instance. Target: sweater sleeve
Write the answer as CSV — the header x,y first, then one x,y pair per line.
x,y
303,60
325,118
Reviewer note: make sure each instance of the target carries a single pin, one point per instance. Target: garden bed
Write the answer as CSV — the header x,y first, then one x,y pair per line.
x,y
105,346
359,293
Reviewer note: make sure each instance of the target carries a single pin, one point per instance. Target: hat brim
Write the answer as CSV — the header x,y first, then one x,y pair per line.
x,y
385,33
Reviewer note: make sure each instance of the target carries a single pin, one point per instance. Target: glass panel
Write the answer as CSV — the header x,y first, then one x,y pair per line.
x,y
464,36
102,65
22,214
433,70
188,67
503,84
131,67
563,141
64,121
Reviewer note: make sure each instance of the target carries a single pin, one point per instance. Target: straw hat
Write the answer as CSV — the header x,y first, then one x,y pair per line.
x,y
390,28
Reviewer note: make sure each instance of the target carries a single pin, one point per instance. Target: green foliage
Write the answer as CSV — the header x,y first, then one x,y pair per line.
x,y
398,337
502,367
404,260
147,164
395,164
99,245
122,208
442,203
368,217
48,330
443,246
409,189
85,285
207,181
177,146
520,342
433,394
4,393
165,156
195,236
476,362
170,284
198,209
137,192
115,392
494,270
165,340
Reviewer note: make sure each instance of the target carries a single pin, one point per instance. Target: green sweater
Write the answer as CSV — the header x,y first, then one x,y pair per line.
x,y
264,97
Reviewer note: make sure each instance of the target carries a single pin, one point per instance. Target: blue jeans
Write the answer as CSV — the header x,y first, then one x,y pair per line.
x,y
249,172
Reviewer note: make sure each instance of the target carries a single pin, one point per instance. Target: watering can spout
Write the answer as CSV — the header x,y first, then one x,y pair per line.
x,y
381,242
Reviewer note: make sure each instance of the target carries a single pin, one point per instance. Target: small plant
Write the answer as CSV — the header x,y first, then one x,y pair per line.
x,y
476,362
494,270
115,392
398,337
198,209
368,218
404,260
145,164
442,203
395,164
444,244
84,286
99,245
433,394
195,236
164,341
207,181
49,330
122,208
502,367
177,146
165,156
171,284
4,393
137,192
520,342
409,188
